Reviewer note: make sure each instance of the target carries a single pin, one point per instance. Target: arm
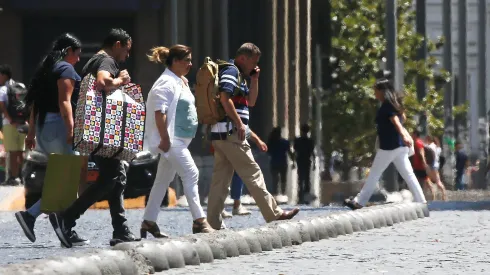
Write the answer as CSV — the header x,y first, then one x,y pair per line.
x,y
4,111
163,97
106,82
3,100
253,92
65,90
401,130
161,121
262,146
31,132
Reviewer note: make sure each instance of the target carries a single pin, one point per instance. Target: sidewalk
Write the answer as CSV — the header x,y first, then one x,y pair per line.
x,y
449,242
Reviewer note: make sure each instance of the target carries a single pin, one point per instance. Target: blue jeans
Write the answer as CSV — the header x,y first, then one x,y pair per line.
x,y
50,139
236,187
460,182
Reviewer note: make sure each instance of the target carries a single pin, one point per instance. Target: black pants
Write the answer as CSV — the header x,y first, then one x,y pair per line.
x,y
279,176
303,181
110,185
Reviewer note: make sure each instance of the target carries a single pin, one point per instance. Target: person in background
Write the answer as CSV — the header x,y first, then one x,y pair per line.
x,y
170,127
51,123
13,140
462,163
419,164
394,143
433,170
304,151
279,149
237,185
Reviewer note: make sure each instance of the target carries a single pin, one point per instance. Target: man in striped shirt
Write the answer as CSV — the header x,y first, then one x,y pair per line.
x,y
229,137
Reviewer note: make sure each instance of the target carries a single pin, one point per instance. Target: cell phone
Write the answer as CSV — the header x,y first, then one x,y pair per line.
x,y
253,72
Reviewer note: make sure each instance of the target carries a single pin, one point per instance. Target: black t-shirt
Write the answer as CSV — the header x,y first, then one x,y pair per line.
x,y
101,62
61,70
389,138
304,148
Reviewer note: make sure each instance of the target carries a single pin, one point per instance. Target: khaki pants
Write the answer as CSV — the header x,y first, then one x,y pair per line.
x,y
235,155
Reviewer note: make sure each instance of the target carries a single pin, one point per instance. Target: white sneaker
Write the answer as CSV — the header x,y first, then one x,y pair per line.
x,y
226,215
241,211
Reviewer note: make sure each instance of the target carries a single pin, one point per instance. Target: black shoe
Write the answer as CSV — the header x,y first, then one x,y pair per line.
x,y
27,222
122,237
76,240
12,182
352,204
60,230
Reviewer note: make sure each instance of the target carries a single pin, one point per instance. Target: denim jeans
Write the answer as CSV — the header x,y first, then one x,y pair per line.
x,y
50,139
236,187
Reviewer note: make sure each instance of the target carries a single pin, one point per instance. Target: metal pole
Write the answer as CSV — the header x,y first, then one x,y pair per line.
x,y
482,99
390,176
173,20
319,93
462,76
448,94
422,55
224,30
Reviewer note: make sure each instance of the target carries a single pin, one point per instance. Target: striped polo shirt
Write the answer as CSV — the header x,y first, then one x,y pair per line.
x,y
228,82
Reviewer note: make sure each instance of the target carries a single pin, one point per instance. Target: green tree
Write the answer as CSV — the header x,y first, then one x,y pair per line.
x,y
358,47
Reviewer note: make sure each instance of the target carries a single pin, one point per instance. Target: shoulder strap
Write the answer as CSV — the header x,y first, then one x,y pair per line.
x,y
224,64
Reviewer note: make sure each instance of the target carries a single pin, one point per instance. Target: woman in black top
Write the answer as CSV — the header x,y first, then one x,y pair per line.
x,y
394,143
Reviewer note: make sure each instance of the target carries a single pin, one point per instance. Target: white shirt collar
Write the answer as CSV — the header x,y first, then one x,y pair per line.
x,y
179,80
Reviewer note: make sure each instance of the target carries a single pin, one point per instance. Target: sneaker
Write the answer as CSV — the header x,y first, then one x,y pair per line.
x,y
26,221
223,225
122,237
13,182
241,211
59,228
226,215
76,240
352,204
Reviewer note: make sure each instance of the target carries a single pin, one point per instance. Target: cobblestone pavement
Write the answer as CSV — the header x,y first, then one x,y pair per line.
x,y
96,226
449,242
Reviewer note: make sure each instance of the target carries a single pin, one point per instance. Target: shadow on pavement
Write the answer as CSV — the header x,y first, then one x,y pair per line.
x,y
459,205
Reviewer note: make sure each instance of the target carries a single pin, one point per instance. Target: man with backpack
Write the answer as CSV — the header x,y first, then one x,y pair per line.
x,y
223,99
14,115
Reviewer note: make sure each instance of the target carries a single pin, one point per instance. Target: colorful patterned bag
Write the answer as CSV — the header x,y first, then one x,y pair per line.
x,y
109,126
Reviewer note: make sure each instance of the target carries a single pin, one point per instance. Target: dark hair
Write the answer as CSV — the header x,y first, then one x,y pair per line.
x,y
164,55
416,133
305,128
275,135
6,70
38,85
114,36
248,49
390,94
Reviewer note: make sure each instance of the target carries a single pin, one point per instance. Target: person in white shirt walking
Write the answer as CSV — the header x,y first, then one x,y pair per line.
x,y
171,125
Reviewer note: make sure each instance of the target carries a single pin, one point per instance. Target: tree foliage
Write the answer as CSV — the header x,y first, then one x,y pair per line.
x,y
358,48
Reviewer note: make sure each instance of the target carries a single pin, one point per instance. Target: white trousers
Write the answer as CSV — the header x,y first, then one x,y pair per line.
x,y
383,158
180,161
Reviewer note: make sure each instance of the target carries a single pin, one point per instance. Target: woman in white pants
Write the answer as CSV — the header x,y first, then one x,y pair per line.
x,y
171,125
394,143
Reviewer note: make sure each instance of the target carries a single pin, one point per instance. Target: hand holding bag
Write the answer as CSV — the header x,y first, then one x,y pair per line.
x,y
64,175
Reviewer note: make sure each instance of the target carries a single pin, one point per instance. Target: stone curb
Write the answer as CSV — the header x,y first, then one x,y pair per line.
x,y
149,256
